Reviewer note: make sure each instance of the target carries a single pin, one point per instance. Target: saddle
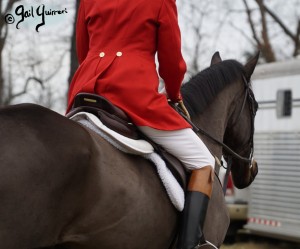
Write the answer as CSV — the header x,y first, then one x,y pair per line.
x,y
117,120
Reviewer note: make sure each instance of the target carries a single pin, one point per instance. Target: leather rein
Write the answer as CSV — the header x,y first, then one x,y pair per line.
x,y
253,108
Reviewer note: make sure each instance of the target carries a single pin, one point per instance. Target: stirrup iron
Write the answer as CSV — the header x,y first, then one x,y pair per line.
x,y
205,244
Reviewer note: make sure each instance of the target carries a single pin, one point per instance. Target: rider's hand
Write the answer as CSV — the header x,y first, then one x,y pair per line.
x,y
178,101
183,108
181,105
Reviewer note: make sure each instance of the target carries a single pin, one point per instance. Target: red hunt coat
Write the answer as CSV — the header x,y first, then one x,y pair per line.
x,y
116,45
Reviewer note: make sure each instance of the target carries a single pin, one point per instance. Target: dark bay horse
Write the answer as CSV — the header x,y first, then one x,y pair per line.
x,y
63,187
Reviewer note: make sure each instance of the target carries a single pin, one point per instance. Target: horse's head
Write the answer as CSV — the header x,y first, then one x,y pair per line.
x,y
220,101
240,128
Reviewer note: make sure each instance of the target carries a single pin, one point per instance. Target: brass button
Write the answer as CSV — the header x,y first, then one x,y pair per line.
x,y
102,54
119,54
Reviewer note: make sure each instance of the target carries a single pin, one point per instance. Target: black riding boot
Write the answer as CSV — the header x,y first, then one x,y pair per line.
x,y
196,202
193,218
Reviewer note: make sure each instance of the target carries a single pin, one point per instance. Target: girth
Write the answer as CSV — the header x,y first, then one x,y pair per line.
x,y
118,121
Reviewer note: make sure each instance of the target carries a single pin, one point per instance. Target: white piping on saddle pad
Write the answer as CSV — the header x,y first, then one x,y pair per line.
x,y
137,147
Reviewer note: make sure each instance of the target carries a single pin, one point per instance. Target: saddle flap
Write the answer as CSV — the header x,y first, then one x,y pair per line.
x,y
176,167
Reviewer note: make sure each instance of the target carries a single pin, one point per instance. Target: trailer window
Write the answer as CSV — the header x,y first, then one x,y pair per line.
x,y
284,103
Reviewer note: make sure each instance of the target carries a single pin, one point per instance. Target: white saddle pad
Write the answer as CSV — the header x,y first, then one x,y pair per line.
x,y
137,147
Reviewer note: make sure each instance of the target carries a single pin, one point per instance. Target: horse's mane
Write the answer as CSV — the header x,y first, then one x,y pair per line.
x,y
202,88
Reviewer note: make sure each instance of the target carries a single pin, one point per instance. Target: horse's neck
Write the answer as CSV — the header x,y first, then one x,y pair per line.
x,y
214,120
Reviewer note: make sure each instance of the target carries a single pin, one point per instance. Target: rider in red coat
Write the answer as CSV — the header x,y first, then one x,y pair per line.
x,y
117,41
116,57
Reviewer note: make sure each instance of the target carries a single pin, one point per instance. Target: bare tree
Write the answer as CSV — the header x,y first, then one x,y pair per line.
x,y
195,36
294,36
262,39
36,64
262,42
3,36
73,54
32,75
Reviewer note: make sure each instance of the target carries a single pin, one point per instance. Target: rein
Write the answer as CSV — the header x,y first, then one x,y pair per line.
x,y
229,150
253,107
198,130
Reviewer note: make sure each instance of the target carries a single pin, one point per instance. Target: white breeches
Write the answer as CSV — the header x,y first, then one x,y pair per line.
x,y
183,144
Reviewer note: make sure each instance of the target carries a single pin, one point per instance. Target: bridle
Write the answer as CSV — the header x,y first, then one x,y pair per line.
x,y
253,106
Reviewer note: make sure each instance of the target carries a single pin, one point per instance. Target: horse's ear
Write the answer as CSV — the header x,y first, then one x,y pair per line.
x,y
250,66
216,58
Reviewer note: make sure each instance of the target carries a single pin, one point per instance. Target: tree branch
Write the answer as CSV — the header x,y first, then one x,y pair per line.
x,y
297,41
247,37
295,37
279,22
266,47
10,4
251,23
13,96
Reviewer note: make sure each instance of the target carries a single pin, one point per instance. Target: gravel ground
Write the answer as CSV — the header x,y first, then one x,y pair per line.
x,y
253,242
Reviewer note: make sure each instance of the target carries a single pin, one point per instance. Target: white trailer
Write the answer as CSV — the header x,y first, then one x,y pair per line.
x,y
274,204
